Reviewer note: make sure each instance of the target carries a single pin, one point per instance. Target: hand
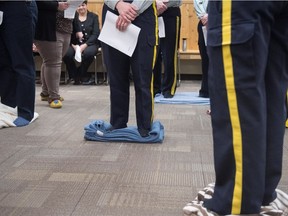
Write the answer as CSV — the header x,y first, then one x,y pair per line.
x,y
79,35
74,46
62,6
34,48
161,6
83,47
127,13
204,19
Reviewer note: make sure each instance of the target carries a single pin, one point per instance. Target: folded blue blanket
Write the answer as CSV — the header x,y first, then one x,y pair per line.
x,y
97,131
183,98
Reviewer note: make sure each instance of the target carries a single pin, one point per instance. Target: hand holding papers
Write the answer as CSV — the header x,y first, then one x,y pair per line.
x,y
70,11
124,41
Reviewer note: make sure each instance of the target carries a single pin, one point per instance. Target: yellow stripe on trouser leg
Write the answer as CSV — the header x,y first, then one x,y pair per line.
x,y
154,58
232,103
175,55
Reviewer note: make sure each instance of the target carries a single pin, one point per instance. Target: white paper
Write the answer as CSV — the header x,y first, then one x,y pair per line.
x,y
78,56
204,29
161,27
1,17
124,41
69,13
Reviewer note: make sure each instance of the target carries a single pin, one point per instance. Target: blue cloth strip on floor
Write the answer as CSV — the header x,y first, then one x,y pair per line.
x,y
183,98
97,131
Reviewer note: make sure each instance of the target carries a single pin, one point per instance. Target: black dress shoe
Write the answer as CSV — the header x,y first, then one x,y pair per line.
x,y
143,132
77,82
89,82
156,93
167,95
203,94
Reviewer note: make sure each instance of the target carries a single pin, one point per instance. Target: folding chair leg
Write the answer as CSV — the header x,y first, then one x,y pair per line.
x,y
95,69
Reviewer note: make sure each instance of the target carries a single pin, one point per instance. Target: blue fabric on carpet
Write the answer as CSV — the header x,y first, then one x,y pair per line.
x,y
183,98
97,131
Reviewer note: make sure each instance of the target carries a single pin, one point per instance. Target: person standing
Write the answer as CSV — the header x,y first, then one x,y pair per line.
x,y
200,7
144,15
248,79
88,45
168,48
52,39
17,69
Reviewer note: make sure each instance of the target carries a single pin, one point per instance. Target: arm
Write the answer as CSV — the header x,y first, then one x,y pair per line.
x,y
174,3
96,30
76,30
141,5
127,12
200,7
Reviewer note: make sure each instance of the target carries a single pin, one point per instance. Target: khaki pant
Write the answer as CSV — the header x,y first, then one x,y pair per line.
x,y
52,53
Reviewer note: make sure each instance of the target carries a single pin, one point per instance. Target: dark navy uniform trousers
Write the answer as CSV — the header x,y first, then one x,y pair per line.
x,y
141,64
248,77
168,51
17,71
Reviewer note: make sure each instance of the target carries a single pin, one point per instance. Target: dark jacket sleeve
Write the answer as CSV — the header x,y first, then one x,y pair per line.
x,y
93,37
76,23
76,28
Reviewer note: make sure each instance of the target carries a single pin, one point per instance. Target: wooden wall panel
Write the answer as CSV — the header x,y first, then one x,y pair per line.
x,y
189,22
96,7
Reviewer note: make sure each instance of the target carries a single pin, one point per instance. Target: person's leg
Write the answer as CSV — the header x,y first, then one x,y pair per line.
x,y
238,103
7,81
87,58
142,63
204,91
157,73
18,37
118,67
52,53
170,53
119,87
51,67
69,61
276,88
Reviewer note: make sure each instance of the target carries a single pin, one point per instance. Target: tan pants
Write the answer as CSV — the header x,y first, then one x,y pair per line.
x,y
52,53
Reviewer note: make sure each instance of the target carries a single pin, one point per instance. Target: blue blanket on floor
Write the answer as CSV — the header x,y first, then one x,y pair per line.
x,y
183,98
97,131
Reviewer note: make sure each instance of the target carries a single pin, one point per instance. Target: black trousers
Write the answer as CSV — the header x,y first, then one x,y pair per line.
x,y
167,54
141,64
80,71
204,90
248,79
17,70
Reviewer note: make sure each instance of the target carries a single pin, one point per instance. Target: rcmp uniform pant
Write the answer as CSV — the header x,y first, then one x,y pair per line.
x,y
204,90
141,64
168,51
248,53
17,70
